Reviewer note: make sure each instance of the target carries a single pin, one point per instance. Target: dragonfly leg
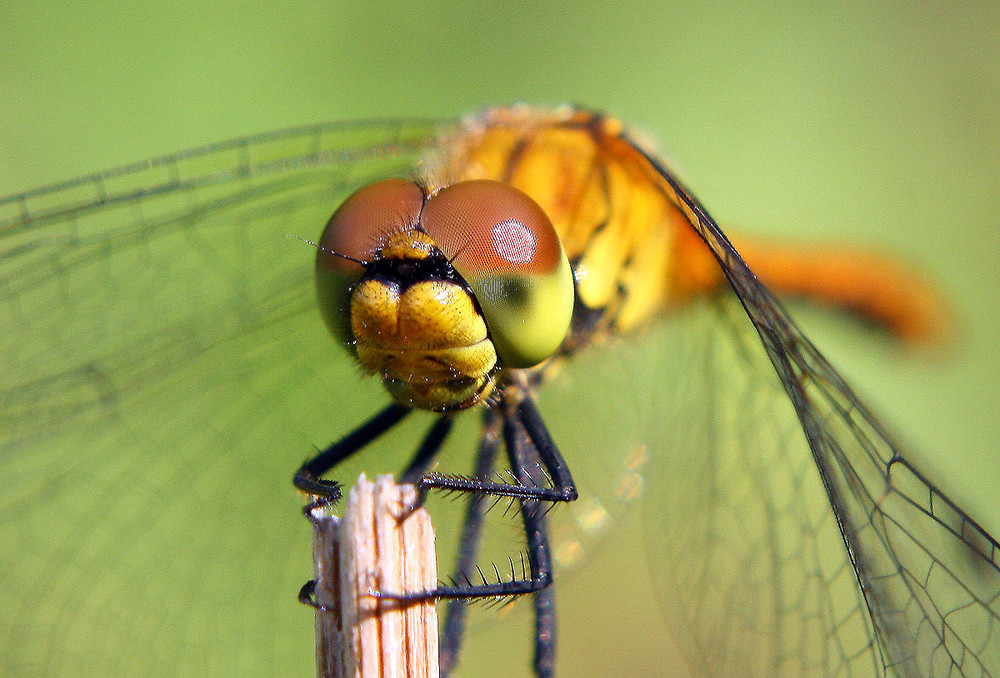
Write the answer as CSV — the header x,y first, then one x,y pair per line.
x,y
455,617
308,479
546,476
535,463
540,477
545,633
428,449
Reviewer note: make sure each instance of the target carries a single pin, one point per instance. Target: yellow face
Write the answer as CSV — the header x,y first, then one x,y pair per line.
x,y
436,292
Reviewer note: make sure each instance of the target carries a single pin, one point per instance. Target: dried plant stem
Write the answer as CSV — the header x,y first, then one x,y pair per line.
x,y
371,549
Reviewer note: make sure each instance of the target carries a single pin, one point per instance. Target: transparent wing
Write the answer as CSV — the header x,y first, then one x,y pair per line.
x,y
165,371
805,542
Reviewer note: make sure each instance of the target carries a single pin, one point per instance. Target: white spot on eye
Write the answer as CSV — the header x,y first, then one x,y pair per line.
x,y
514,241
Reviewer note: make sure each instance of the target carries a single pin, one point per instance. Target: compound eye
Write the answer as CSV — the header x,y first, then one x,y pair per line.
x,y
355,233
503,244
360,225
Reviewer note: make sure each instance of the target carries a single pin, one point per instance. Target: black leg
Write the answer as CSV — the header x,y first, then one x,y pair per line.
x,y
540,475
533,485
454,624
526,460
545,633
549,454
530,471
307,478
427,451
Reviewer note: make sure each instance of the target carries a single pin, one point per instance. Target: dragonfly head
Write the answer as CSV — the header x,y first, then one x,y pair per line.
x,y
438,291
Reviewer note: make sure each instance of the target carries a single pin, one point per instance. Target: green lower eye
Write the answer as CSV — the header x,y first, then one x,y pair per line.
x,y
527,316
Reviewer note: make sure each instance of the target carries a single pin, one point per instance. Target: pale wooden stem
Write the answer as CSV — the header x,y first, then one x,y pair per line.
x,y
371,549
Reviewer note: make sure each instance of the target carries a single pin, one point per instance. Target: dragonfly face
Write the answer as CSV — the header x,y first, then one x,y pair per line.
x,y
430,263
787,532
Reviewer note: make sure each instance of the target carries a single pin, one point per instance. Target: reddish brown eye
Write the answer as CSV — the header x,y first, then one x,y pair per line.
x,y
356,231
489,227
359,226
503,244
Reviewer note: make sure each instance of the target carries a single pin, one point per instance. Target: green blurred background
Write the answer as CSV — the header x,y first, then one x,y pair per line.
x,y
874,122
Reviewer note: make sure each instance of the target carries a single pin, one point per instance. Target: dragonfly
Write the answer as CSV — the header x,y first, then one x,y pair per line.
x,y
166,356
